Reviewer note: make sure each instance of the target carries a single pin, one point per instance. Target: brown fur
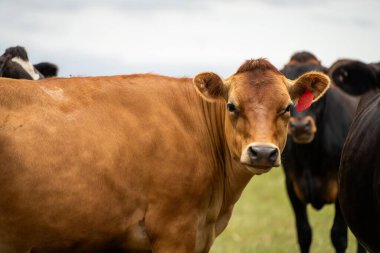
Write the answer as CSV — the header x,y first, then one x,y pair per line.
x,y
129,163
299,136
210,85
316,82
260,64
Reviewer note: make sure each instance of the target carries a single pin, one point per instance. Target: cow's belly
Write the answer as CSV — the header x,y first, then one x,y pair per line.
x,y
319,191
68,210
134,239
75,230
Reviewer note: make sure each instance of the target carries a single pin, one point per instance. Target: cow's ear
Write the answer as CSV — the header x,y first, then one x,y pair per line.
x,y
315,83
210,86
354,77
47,69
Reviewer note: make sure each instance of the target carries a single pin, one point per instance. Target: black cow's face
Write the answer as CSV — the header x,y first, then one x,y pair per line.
x,y
18,68
303,125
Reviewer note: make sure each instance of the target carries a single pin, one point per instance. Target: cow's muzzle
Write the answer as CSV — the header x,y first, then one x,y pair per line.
x,y
261,157
302,130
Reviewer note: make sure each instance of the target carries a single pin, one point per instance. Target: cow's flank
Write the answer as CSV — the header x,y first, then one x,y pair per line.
x,y
359,171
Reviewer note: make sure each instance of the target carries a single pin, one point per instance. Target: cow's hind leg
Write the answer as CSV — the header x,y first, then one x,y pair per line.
x,y
304,233
361,249
339,231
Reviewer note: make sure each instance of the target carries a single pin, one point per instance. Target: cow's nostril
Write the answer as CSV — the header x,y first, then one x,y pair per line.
x,y
273,155
263,155
253,153
307,126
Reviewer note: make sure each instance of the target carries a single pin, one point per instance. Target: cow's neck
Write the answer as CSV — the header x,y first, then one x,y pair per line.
x,y
236,180
233,176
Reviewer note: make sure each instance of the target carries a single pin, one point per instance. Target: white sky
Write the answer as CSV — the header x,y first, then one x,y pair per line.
x,y
182,38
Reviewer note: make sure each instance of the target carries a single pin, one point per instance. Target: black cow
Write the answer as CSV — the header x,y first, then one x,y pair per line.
x,y
359,173
14,63
312,154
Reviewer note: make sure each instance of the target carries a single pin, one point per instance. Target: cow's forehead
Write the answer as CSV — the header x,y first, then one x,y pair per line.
x,y
260,87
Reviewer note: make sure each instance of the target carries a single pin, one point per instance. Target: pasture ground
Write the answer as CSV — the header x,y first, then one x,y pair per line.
x,y
263,221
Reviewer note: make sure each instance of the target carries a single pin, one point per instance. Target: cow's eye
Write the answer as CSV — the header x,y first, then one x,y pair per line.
x,y
287,109
231,107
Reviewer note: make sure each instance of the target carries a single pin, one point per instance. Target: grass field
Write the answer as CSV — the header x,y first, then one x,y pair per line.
x,y
263,221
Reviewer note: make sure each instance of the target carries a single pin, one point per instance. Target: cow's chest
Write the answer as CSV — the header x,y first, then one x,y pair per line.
x,y
207,231
212,223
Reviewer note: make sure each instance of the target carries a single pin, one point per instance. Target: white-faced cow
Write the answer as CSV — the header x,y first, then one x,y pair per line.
x,y
140,162
312,154
14,63
359,173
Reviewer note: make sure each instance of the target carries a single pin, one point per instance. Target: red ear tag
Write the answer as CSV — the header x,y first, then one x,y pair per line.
x,y
305,101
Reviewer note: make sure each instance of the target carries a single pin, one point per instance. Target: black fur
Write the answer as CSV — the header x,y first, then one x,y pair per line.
x,y
11,69
294,71
303,57
17,51
359,172
355,77
47,69
311,165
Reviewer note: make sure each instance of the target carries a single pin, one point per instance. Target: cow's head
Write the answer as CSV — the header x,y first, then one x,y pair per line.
x,y
355,77
257,100
303,57
14,63
303,124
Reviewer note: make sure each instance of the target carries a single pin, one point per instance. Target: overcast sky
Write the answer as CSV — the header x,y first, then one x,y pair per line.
x,y
182,38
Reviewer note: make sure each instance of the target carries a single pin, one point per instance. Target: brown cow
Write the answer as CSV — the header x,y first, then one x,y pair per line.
x,y
139,162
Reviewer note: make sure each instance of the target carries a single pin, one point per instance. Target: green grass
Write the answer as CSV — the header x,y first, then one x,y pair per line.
x,y
263,221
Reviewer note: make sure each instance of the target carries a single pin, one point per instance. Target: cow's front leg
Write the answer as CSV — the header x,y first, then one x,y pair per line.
x,y
339,231
304,233
360,248
171,232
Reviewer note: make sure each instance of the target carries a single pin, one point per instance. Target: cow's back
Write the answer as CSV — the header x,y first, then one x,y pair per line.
x,y
93,150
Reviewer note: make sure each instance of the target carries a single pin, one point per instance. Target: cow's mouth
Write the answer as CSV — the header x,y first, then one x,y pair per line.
x,y
303,138
257,170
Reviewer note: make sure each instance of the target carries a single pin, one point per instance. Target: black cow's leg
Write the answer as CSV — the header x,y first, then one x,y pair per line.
x,y
304,233
361,249
339,231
